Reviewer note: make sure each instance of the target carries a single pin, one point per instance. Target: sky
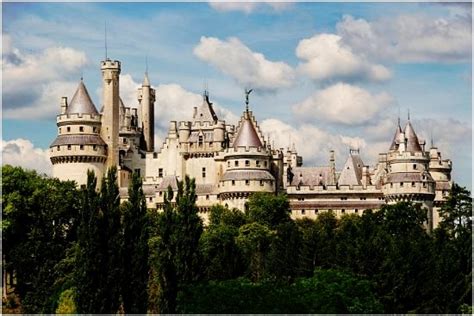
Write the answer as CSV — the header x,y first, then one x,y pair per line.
x,y
325,75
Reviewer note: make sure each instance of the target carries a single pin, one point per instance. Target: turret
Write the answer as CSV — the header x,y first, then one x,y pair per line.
x,y
146,98
332,165
219,132
63,105
184,130
111,114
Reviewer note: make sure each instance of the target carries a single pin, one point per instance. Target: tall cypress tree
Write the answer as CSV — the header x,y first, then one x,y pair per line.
x,y
135,247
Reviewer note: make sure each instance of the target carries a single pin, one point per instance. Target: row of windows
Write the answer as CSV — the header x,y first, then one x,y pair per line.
x,y
316,211
81,147
413,184
247,182
81,129
247,163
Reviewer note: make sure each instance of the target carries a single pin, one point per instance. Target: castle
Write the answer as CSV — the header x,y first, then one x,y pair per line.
x,y
231,162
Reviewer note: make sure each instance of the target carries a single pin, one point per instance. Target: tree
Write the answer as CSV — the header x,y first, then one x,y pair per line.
x,y
175,256
99,265
39,217
135,246
268,209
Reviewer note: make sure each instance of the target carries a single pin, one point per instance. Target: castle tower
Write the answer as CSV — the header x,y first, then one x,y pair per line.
x,y
408,177
111,113
247,165
146,99
78,146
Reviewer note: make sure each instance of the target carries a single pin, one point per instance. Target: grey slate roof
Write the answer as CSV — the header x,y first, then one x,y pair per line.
x,y
413,145
168,181
78,140
247,135
81,102
205,112
202,189
248,175
311,176
394,145
351,174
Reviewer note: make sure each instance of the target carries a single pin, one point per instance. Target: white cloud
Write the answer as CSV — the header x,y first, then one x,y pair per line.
x,y
326,57
310,141
409,38
21,152
342,103
247,6
250,69
33,83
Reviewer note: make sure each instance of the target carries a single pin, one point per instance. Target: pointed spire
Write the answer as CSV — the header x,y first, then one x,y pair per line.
x,y
413,144
146,81
408,114
398,131
247,135
81,102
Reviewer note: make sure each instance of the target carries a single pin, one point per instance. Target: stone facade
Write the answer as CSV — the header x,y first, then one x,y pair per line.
x,y
231,162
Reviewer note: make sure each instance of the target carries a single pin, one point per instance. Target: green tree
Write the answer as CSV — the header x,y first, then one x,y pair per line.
x,y
39,217
135,249
268,209
222,258
175,255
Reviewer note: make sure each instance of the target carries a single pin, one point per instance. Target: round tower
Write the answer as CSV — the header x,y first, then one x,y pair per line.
x,y
184,130
146,99
408,177
111,113
78,146
247,166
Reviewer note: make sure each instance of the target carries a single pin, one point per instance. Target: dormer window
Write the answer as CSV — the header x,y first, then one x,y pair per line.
x,y
200,140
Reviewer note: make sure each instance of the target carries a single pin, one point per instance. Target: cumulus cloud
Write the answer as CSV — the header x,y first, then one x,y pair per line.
x,y
248,68
409,38
326,57
311,142
33,83
246,7
21,152
342,103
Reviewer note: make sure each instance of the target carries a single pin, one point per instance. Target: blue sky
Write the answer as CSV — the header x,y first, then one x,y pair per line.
x,y
302,59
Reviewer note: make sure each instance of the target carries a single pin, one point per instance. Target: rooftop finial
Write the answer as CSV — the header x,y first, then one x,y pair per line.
x,y
247,92
408,114
398,115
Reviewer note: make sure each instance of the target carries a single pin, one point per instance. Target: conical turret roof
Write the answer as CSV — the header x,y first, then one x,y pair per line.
x,y
413,145
81,102
205,112
146,81
247,135
394,146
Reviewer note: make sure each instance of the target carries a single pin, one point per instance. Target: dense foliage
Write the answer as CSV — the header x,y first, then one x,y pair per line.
x,y
78,250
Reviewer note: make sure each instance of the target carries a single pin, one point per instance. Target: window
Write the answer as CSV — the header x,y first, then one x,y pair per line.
x,y
401,184
343,211
228,163
81,147
57,148
151,199
316,211
203,172
264,163
137,171
68,129
414,166
413,184
424,184
233,182
261,183
356,210
247,182
94,147
60,130
161,193
207,197
258,163
160,172
200,140
363,198
236,163
343,198
210,144
303,212
68,147
81,128
391,185
247,163
94,129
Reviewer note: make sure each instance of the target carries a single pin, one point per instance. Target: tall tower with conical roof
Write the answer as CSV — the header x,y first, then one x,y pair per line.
x,y
111,113
146,99
408,177
78,146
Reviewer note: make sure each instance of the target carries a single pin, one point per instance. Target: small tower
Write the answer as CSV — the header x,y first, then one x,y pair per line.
x,y
146,99
111,105
78,146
